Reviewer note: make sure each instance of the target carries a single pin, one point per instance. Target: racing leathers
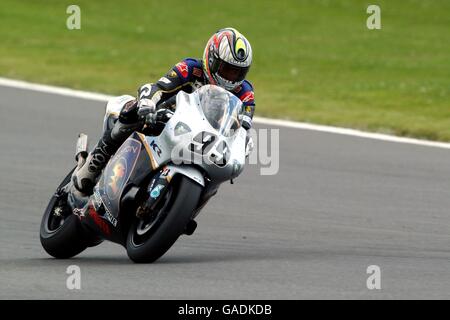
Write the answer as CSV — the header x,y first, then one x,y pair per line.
x,y
186,75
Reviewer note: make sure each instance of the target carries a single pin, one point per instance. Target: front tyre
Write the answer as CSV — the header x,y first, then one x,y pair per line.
x,y
149,240
60,231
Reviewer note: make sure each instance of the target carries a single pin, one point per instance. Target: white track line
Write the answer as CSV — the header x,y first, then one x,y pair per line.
x,y
351,132
273,122
54,90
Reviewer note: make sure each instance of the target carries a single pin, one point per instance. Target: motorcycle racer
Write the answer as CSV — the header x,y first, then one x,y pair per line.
x,y
226,61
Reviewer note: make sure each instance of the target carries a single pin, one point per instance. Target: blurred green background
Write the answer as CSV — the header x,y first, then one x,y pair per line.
x,y
314,61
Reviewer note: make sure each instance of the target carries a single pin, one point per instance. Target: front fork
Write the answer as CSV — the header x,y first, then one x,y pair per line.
x,y
156,190
159,186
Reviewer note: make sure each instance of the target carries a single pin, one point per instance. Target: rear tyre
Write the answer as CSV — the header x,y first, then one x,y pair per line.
x,y
60,232
148,239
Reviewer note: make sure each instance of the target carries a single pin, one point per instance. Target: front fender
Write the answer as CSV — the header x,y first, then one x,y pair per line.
x,y
158,185
188,171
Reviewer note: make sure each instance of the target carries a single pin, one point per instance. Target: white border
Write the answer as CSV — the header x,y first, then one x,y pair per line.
x,y
281,123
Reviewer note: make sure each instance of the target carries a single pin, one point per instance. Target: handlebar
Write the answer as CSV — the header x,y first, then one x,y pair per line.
x,y
168,104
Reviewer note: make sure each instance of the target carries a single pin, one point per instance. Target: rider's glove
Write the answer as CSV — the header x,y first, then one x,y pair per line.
x,y
158,118
146,110
145,107
246,121
163,115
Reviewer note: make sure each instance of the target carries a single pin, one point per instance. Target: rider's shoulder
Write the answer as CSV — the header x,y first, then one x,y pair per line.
x,y
245,92
189,67
193,62
247,85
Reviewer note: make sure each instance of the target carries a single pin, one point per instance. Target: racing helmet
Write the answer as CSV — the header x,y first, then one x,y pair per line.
x,y
227,58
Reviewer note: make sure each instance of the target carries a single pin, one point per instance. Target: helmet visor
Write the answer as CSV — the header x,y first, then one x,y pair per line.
x,y
231,72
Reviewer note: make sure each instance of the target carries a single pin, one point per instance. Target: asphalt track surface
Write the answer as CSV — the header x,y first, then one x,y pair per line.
x,y
337,205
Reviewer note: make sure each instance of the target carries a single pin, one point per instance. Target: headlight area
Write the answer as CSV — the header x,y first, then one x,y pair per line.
x,y
181,128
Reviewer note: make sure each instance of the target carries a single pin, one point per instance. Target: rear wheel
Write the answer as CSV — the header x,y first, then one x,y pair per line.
x,y
60,232
150,237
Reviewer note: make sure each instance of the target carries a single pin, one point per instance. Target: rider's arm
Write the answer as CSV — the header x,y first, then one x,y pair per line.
x,y
247,118
169,85
249,110
247,97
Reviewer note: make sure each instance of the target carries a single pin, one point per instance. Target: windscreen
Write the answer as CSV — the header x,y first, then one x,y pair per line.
x,y
221,109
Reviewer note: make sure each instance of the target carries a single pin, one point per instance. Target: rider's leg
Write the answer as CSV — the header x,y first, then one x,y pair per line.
x,y
85,177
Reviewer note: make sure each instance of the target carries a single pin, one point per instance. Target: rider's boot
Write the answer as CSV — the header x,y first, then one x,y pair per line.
x,y
84,177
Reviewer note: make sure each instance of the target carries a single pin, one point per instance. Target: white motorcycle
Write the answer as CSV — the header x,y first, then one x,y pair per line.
x,y
154,186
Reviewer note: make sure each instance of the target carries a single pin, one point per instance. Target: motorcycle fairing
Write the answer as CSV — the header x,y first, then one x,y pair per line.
x,y
127,168
117,174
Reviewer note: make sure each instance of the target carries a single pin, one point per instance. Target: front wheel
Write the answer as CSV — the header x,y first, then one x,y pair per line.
x,y
149,238
60,232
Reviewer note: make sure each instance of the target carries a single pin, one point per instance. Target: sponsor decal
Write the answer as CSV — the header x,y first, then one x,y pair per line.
x,y
165,80
156,191
172,74
248,109
183,69
110,218
99,221
155,148
117,179
150,187
197,72
248,97
119,169
165,172
97,202
130,149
